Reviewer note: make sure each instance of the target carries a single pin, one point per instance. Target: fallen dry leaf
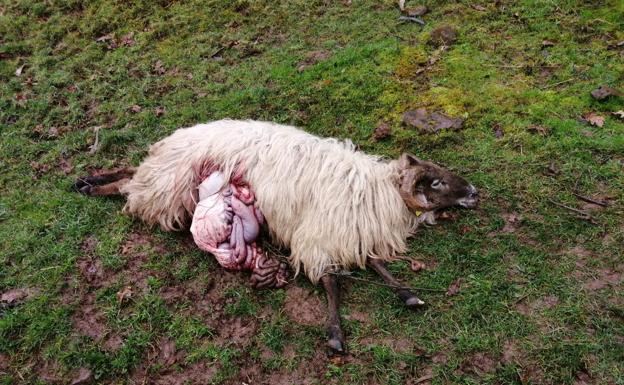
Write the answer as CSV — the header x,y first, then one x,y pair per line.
x,y
16,295
125,293
40,168
548,43
478,7
619,114
603,92
159,111
128,40
159,68
453,289
594,119
65,165
18,71
417,266
135,108
401,4
419,10
511,222
382,131
497,129
83,376
104,38
443,35
431,123
538,129
311,59
552,169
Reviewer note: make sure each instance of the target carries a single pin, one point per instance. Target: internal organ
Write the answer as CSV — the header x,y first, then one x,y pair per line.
x,y
226,223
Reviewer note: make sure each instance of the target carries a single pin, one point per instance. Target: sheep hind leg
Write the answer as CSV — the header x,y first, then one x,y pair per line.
x,y
336,339
410,299
86,184
113,188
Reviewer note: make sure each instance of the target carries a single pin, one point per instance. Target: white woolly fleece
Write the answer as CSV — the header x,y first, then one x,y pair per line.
x,y
331,205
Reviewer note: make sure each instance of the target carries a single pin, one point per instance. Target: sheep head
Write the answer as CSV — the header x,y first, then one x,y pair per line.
x,y
425,186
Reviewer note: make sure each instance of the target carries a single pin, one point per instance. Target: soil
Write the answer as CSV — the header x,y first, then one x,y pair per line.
x,y
303,307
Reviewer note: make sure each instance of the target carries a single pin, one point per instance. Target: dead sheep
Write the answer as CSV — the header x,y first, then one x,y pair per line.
x,y
332,206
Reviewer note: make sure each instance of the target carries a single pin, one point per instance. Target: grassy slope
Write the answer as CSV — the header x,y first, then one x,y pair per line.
x,y
497,72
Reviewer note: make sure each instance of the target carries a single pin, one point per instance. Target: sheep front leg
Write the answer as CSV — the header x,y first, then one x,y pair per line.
x,y
410,299
336,340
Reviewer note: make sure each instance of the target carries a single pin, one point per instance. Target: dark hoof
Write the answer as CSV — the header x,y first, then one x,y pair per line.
x,y
336,347
83,185
414,302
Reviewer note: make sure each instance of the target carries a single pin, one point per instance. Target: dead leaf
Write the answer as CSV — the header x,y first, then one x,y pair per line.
x,y
125,293
135,108
431,123
16,295
128,39
159,111
478,7
619,114
603,92
65,165
497,129
511,222
419,10
83,376
159,68
443,35
417,266
538,129
311,59
40,168
104,38
21,99
401,4
453,289
382,131
18,71
552,169
594,119
548,43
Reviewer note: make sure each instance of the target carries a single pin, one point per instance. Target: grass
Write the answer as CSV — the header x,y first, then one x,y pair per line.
x,y
525,284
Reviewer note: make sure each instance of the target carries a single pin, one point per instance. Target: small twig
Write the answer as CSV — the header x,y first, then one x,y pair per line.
x,y
350,276
582,214
223,47
556,84
590,200
96,144
412,19
423,379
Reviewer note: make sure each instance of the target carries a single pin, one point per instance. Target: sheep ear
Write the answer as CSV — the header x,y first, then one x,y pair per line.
x,y
408,160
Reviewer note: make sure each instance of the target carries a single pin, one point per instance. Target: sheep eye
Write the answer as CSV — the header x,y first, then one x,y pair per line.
x,y
437,183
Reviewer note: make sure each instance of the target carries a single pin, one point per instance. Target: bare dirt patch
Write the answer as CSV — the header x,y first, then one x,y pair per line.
x,y
15,296
311,59
197,373
479,364
604,278
237,331
303,307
